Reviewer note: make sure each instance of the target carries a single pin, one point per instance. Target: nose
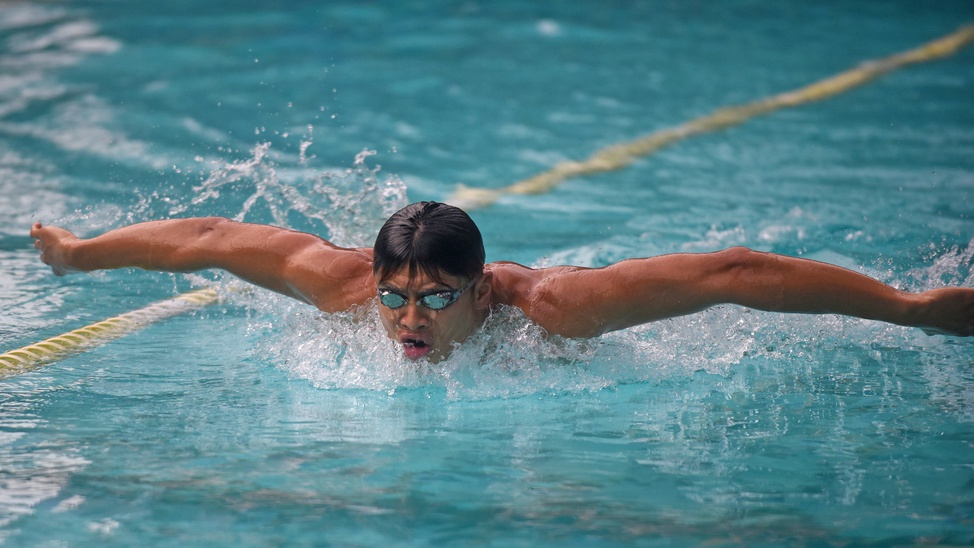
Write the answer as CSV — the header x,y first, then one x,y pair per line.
x,y
413,317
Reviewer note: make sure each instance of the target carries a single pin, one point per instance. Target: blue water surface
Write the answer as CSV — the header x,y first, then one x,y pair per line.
x,y
260,422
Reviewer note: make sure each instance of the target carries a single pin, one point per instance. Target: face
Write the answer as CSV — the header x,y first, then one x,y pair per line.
x,y
423,332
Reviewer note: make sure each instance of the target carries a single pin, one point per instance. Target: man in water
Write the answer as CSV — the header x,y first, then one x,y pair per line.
x,y
434,290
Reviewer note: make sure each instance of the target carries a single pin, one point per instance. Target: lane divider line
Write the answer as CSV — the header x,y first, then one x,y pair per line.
x,y
621,155
79,340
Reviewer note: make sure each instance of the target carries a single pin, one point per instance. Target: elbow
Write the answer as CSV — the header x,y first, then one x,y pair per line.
x,y
738,270
754,279
735,264
208,225
738,258
193,245
209,231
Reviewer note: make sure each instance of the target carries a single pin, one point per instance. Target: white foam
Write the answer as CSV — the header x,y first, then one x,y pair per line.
x,y
509,356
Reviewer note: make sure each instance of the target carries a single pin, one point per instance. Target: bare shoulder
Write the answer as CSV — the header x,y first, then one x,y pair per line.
x,y
575,301
332,278
540,292
511,283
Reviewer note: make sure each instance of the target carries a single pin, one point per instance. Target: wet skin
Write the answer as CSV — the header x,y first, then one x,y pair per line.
x,y
425,333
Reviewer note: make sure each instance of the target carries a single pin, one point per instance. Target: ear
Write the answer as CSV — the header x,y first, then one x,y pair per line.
x,y
483,290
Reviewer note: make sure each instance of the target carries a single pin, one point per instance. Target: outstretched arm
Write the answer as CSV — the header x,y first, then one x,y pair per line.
x,y
296,264
585,302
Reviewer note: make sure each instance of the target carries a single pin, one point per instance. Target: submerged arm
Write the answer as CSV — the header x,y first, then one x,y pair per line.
x,y
586,302
293,263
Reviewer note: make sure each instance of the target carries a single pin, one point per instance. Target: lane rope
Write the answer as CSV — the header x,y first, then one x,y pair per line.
x,y
621,155
82,339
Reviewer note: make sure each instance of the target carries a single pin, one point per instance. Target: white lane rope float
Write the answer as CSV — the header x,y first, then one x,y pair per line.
x,y
79,340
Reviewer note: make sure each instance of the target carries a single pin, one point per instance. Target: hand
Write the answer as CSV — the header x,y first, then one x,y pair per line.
x,y
52,242
949,311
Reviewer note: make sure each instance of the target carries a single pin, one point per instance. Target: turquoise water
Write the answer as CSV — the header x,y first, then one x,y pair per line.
x,y
260,422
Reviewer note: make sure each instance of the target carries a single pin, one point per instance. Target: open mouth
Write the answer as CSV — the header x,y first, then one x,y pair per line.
x,y
414,343
415,348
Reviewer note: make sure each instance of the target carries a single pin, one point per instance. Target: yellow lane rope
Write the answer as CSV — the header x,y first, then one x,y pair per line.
x,y
621,155
73,342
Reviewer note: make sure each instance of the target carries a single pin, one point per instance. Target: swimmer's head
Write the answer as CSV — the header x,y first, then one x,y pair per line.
x,y
429,238
429,273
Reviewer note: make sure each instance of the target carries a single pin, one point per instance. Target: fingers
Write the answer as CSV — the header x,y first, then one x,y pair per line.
x,y
40,233
37,232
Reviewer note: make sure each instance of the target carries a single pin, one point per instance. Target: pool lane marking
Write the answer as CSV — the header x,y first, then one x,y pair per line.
x,y
621,155
74,342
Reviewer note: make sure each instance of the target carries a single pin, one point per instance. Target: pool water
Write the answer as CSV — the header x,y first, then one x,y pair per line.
x,y
259,421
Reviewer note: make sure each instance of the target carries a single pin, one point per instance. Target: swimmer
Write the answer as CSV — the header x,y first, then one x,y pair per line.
x,y
427,271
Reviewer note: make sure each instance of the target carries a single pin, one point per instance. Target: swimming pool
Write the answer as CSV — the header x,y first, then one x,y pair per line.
x,y
260,422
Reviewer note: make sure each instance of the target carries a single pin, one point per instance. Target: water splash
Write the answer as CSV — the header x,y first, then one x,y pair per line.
x,y
355,203
952,267
511,357
346,206
508,357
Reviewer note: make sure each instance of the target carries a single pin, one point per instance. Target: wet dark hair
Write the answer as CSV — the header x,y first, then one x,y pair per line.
x,y
431,238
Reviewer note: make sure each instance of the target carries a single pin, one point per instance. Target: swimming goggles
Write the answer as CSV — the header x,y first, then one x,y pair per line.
x,y
437,300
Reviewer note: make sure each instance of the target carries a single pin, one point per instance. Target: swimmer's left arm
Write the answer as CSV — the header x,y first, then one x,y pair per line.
x,y
579,302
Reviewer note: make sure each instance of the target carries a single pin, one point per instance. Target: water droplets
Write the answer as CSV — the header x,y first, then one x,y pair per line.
x,y
346,206
954,266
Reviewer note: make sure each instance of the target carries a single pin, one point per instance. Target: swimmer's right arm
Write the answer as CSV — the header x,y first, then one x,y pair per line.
x,y
296,264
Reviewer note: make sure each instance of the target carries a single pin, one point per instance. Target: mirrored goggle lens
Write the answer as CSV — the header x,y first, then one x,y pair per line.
x,y
391,300
435,301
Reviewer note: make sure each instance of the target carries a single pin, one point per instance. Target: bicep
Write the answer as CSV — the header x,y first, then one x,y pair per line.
x,y
257,253
581,302
296,264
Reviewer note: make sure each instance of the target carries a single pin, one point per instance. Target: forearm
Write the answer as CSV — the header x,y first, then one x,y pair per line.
x,y
172,245
257,253
786,284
